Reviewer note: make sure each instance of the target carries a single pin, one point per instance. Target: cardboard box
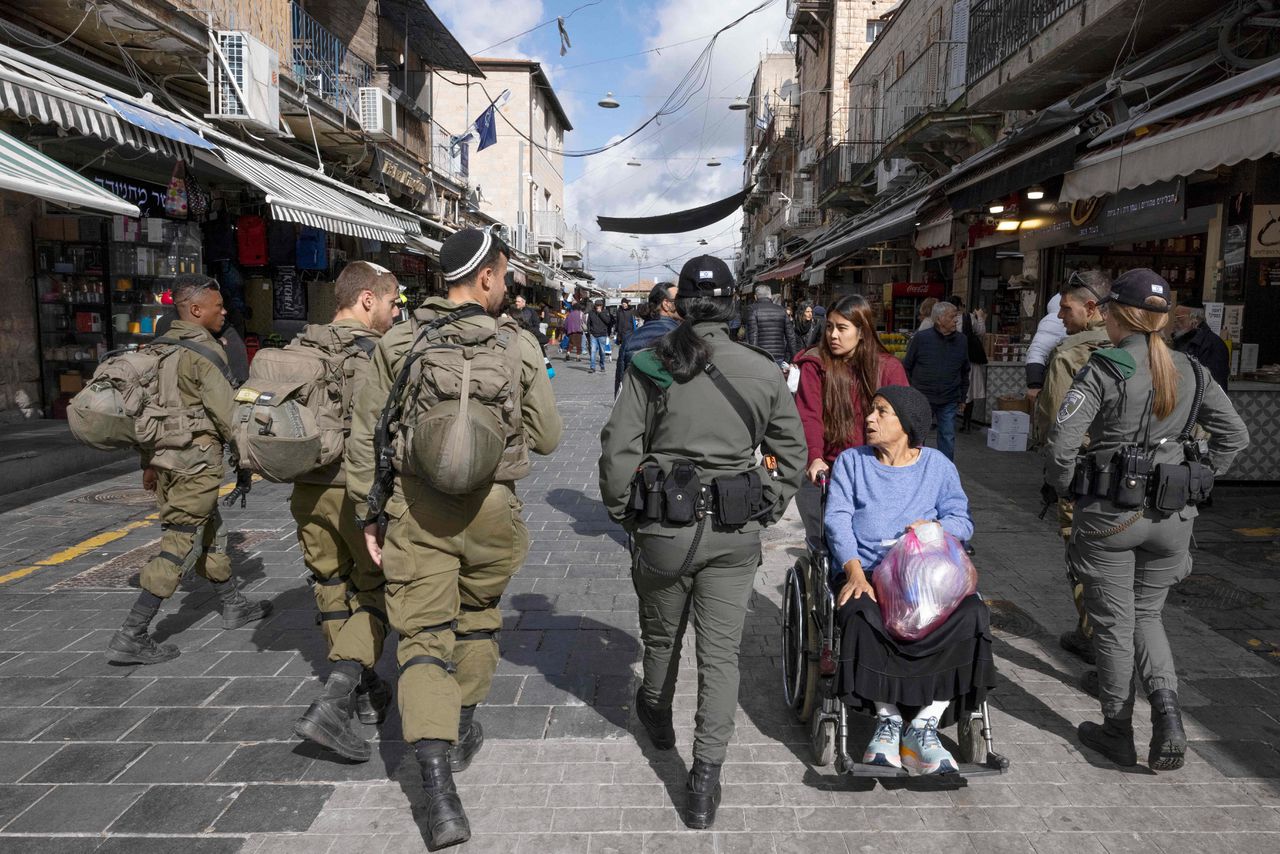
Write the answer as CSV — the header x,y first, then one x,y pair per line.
x,y
1013,403
998,441
70,382
1010,421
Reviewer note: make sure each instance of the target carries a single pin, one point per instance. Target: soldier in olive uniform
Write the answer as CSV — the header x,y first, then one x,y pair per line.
x,y
1082,318
447,558
348,587
186,480
698,398
1134,402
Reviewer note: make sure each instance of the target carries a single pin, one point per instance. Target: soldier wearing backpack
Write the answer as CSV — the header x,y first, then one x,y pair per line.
x,y
186,424
456,398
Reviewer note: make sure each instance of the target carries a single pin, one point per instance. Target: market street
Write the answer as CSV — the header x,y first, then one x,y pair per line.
x,y
196,754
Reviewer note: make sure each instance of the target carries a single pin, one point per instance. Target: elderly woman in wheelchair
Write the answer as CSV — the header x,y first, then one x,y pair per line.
x,y
877,493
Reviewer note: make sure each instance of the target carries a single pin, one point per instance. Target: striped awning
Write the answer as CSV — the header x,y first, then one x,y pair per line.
x,y
49,101
314,202
23,169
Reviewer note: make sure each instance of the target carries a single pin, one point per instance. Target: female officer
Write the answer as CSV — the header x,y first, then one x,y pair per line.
x,y
678,469
1133,521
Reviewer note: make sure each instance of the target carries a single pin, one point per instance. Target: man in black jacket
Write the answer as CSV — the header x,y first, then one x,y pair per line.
x,y
624,321
937,364
1191,335
597,331
769,328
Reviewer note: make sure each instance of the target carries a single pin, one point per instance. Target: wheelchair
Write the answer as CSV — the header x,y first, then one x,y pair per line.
x,y
810,663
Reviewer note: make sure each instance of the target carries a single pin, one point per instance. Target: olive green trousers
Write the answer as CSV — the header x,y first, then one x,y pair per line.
x,y
194,536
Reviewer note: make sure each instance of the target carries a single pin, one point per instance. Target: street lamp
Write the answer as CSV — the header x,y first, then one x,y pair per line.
x,y
608,102
633,162
640,255
739,104
713,162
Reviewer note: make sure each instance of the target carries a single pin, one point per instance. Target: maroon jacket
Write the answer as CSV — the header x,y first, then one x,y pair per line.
x,y
809,402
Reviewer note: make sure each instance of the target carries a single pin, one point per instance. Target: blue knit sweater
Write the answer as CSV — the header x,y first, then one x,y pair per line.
x,y
870,504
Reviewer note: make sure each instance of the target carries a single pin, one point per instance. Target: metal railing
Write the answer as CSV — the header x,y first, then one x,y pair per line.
x,y
922,88
325,66
446,160
574,243
839,164
549,226
999,28
802,217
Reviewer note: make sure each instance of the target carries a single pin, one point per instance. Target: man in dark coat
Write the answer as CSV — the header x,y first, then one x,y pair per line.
x,y
937,363
769,328
1191,335
661,320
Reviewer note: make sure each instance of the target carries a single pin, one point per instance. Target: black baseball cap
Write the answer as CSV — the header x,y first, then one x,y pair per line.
x,y
705,276
1134,287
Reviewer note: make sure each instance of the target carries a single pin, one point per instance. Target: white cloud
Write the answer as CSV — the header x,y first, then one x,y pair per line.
x,y
477,24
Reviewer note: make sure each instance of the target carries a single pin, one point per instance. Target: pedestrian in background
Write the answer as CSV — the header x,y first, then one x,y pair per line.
x,y
925,315
1081,316
573,325
838,378
1191,335
1128,541
662,317
937,364
808,330
717,402
597,325
624,321
1049,331
769,328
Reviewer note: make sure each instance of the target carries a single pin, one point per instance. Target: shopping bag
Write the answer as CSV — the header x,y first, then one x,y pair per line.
x,y
921,581
175,199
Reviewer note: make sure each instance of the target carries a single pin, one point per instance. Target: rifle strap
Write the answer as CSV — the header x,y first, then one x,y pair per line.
x,y
735,400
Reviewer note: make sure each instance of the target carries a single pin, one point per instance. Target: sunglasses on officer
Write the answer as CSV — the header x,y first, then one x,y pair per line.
x,y
1076,282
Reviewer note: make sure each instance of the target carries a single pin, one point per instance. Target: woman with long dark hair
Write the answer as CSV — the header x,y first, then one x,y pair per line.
x,y
808,328
1136,490
678,470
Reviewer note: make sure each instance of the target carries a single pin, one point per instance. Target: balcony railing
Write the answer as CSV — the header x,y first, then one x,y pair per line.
x,y
574,243
921,89
445,160
837,167
798,216
999,28
325,66
549,226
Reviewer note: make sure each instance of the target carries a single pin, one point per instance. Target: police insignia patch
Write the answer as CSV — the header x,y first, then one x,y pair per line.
x,y
1070,405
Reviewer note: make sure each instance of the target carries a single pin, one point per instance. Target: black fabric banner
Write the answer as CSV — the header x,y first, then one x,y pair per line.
x,y
675,223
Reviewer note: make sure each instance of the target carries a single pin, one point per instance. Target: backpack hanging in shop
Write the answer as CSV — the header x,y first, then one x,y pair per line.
x,y
282,243
251,240
312,250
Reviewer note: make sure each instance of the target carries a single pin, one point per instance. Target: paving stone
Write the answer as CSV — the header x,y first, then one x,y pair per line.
x,y
253,763
171,845
76,809
275,809
15,799
49,844
259,724
178,723
85,763
172,691
22,724
177,763
93,724
31,691
100,692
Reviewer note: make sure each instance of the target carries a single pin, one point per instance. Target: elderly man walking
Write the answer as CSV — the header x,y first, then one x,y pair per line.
x,y
937,364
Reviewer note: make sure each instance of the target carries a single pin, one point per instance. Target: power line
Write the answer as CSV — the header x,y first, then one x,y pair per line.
x,y
536,27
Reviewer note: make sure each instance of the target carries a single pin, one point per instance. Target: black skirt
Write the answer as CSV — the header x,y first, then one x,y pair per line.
x,y
953,662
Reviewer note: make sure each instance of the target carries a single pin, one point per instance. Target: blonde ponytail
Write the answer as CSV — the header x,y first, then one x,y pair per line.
x,y
1164,376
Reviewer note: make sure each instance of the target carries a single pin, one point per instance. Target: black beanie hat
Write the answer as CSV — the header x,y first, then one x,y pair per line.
x,y
464,251
912,409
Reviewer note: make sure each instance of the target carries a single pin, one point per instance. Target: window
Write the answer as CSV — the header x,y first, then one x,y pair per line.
x,y
874,29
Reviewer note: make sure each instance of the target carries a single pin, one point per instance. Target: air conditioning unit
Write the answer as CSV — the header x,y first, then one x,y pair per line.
x,y
377,113
244,77
894,174
771,247
808,159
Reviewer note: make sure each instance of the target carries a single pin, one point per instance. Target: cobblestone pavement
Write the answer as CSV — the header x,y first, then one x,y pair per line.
x,y
196,756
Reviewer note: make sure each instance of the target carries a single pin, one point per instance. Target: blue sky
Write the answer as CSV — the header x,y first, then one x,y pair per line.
x,y
673,174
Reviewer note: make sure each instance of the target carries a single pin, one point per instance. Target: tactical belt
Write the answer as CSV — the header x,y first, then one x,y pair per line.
x,y
446,666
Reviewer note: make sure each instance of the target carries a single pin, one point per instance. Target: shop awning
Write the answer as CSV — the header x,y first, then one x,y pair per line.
x,y
32,94
817,275
23,169
897,221
308,201
1243,129
1016,171
425,245
782,271
935,232
156,123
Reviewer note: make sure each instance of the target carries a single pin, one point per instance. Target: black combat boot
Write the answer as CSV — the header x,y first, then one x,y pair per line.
x,y
237,610
656,722
327,721
1078,644
446,823
470,740
372,698
1168,738
132,644
703,791
1113,739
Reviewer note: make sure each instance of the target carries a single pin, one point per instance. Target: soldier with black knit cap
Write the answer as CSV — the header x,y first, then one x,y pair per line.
x,y
468,396
682,443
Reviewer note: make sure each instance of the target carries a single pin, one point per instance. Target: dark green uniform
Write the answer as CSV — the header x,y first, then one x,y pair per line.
x,y
656,420
1128,559
447,558
194,534
348,586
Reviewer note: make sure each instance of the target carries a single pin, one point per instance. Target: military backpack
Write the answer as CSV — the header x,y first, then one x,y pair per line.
x,y
293,414
133,400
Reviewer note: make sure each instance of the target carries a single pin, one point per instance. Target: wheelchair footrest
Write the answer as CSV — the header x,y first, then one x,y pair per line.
x,y
967,770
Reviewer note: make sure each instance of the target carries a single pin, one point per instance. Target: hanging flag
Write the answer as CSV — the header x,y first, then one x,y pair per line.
x,y
564,37
487,128
765,115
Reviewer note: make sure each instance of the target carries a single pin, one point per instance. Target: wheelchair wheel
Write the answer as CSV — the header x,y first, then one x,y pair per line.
x,y
822,741
799,676
973,747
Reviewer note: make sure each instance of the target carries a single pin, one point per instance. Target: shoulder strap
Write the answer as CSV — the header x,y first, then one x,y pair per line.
x,y
735,400
204,352
366,343
1198,370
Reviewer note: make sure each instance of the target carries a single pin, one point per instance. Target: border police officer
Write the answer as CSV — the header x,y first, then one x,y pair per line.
x,y
1136,490
678,470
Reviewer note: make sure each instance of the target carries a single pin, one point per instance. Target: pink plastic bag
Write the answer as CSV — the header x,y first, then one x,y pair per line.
x,y
921,581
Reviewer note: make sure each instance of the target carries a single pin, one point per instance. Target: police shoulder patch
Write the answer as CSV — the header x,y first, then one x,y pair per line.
x,y
1070,405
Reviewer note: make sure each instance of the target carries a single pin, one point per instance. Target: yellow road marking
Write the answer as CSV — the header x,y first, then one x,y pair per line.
x,y
1258,532
85,546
